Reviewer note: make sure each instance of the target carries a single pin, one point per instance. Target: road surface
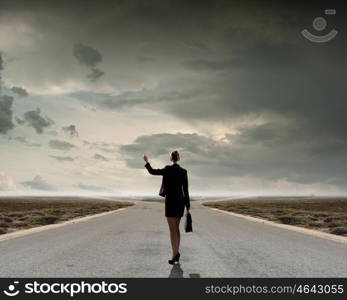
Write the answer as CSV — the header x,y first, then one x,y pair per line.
x,y
135,243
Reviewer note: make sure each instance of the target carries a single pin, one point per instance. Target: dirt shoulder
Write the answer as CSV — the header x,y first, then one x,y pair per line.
x,y
29,212
324,214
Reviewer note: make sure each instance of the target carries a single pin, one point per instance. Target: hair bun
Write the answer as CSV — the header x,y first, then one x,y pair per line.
x,y
175,156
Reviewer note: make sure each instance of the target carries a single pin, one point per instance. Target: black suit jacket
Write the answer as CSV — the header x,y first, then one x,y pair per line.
x,y
174,183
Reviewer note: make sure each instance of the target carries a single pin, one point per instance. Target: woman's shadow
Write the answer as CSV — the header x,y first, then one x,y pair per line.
x,y
176,271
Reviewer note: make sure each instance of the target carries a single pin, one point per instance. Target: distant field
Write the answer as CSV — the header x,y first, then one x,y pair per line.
x,y
28,212
323,214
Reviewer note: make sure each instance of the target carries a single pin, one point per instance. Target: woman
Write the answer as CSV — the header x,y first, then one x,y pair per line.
x,y
174,188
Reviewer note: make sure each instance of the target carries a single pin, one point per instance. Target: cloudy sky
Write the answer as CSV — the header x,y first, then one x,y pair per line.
x,y
87,87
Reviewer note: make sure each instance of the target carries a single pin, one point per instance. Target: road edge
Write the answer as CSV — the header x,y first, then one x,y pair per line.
x,y
329,236
23,232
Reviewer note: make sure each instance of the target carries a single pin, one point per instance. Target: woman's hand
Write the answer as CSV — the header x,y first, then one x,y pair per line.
x,y
145,158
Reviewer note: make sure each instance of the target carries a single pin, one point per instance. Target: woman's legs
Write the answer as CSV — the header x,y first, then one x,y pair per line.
x,y
178,240
174,234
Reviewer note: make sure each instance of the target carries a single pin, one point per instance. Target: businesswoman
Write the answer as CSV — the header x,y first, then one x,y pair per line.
x,y
174,188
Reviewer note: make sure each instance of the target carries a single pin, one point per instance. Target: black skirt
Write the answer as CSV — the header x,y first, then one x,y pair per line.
x,y
174,207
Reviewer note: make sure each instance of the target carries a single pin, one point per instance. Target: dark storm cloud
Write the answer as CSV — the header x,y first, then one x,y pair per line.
x,y
6,102
208,157
38,183
271,134
198,45
71,130
218,62
100,157
165,99
1,69
145,58
269,70
34,119
6,113
118,104
95,74
62,158
19,91
163,144
264,54
61,145
208,65
89,57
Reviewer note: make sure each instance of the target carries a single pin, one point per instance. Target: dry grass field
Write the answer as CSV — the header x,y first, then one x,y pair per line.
x,y
28,212
324,214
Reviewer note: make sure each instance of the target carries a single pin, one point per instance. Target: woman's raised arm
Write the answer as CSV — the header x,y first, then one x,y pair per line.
x,y
150,169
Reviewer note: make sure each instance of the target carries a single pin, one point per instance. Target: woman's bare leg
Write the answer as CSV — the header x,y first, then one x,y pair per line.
x,y
178,240
174,234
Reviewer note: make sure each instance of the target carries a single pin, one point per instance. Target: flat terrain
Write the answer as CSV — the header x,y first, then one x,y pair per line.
x,y
28,212
323,214
134,242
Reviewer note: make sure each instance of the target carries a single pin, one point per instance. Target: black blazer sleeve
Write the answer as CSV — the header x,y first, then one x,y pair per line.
x,y
185,190
154,171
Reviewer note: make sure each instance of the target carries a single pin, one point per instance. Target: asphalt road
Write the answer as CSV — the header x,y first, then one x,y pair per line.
x,y
135,243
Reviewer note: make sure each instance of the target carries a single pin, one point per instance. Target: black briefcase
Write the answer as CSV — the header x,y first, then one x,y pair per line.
x,y
188,226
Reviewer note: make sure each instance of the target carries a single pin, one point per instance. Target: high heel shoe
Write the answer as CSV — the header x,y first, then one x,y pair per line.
x,y
174,259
